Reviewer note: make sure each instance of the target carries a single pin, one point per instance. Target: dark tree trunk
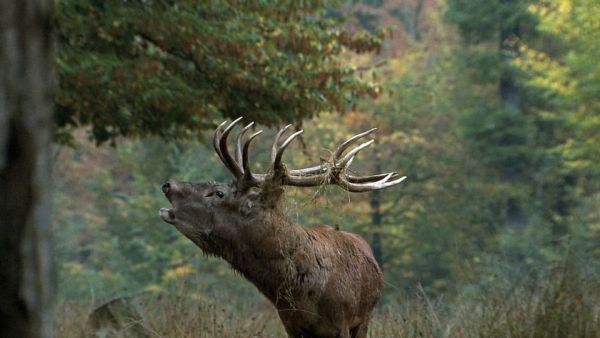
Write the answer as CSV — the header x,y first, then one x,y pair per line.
x,y
510,96
417,20
410,17
376,220
25,135
510,93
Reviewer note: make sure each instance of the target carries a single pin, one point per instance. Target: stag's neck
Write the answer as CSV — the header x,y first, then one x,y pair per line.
x,y
266,257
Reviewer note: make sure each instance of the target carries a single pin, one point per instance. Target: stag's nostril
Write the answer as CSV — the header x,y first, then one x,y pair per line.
x,y
166,187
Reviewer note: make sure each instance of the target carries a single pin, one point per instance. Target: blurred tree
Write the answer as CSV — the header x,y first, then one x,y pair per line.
x,y
568,76
505,127
129,68
434,225
26,284
498,129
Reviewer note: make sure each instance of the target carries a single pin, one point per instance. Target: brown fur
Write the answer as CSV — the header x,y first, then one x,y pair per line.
x,y
323,282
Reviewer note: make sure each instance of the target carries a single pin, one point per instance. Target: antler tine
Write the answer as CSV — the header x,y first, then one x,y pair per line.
x,y
245,163
366,183
363,187
238,148
342,147
346,160
370,178
322,168
366,179
279,154
275,145
216,137
227,159
293,179
319,169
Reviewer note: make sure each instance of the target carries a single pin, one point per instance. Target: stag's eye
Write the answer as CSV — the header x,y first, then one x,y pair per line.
x,y
219,194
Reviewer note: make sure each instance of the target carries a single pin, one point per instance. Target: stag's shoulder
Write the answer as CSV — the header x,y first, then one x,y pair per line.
x,y
333,237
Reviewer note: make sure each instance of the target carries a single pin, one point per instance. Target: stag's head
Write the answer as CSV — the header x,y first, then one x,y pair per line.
x,y
201,209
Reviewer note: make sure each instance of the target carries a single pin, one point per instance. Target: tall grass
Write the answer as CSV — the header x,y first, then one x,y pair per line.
x,y
559,304
562,302
174,316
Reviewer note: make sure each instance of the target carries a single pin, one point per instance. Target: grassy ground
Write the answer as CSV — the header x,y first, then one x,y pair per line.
x,y
561,303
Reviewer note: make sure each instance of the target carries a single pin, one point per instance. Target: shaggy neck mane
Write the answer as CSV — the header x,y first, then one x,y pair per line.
x,y
265,256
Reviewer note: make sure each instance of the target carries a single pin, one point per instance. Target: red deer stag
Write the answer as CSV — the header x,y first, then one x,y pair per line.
x,y
323,282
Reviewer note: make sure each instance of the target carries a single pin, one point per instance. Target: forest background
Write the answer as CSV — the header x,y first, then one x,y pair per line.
x,y
490,107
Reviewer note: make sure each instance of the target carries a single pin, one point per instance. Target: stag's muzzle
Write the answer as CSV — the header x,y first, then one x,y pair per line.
x,y
166,215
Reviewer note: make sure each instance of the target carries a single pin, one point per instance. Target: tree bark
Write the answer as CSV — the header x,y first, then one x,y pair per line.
x,y
25,135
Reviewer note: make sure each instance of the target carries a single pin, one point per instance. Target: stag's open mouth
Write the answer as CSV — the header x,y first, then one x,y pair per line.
x,y
166,214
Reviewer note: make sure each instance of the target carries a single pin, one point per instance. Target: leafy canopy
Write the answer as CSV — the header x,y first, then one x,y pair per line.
x,y
134,68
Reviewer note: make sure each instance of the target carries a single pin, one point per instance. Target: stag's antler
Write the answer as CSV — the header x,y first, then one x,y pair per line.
x,y
333,171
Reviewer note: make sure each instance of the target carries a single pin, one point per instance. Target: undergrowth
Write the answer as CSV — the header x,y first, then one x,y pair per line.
x,y
564,301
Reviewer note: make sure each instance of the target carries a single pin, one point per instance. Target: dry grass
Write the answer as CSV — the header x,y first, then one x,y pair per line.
x,y
170,317
562,303
165,316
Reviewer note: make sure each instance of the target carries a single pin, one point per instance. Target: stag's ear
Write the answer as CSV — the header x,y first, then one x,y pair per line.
x,y
250,202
